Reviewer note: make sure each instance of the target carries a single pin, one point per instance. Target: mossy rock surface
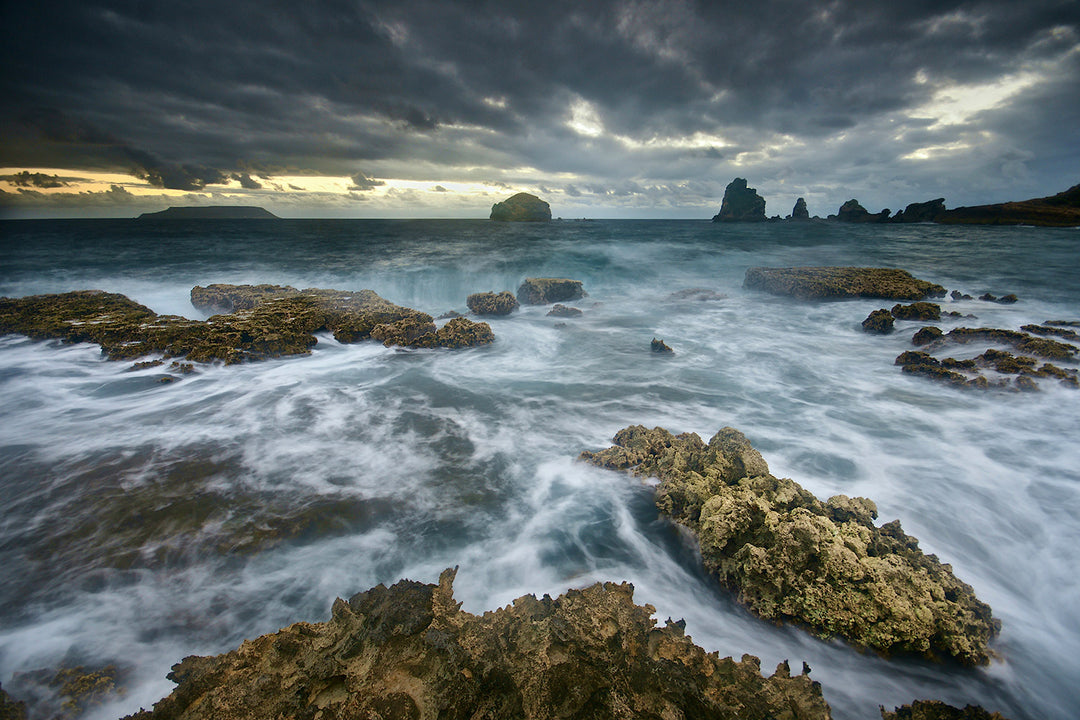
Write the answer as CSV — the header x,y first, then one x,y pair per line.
x,y
835,283
492,303
545,291
409,651
936,710
263,321
790,557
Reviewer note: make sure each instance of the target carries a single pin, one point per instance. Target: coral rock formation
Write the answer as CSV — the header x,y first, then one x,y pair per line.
x,y
830,283
935,710
791,557
544,291
409,651
879,322
490,303
262,321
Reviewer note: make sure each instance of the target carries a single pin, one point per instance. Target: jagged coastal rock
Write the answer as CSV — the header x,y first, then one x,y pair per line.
x,y
545,291
409,651
1061,210
740,204
969,373
928,211
522,207
212,212
853,212
799,212
266,321
492,303
831,283
791,557
935,710
880,322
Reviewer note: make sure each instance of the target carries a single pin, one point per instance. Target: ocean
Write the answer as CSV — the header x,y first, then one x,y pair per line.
x,y
144,521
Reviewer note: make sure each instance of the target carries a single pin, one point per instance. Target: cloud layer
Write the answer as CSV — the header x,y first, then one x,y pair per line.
x,y
644,107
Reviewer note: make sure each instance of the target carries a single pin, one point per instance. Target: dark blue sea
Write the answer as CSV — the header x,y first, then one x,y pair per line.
x,y
145,521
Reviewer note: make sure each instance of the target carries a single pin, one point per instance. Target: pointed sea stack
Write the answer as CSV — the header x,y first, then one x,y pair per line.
x,y
741,204
799,212
522,207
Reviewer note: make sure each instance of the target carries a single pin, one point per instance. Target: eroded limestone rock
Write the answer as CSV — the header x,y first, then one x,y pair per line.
x,y
409,651
832,283
790,557
936,710
879,322
491,303
266,321
544,291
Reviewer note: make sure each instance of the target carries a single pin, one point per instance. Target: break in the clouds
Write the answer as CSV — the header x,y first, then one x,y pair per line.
x,y
634,108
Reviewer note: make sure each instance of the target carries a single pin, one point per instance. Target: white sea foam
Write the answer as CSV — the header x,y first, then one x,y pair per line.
x,y
427,459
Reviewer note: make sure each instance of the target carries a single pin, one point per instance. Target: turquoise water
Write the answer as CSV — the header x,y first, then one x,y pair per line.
x,y
144,522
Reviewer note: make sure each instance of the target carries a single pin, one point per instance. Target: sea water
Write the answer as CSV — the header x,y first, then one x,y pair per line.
x,y
145,521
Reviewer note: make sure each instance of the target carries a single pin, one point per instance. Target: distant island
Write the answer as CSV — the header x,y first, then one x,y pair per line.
x,y
212,212
522,207
743,204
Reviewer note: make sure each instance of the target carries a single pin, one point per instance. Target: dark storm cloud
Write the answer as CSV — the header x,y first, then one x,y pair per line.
x,y
246,181
189,95
362,182
29,179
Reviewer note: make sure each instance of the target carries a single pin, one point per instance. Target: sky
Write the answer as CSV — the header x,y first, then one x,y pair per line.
x,y
605,109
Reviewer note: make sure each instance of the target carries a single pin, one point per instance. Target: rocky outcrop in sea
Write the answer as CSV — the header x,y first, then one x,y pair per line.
x,y
832,283
258,322
545,291
409,651
522,207
492,303
790,557
741,204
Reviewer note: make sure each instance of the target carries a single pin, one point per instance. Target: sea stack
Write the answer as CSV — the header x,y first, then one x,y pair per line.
x,y
741,204
799,212
522,207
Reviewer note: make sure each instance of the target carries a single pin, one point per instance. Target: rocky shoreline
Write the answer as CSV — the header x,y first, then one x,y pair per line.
x,y
743,204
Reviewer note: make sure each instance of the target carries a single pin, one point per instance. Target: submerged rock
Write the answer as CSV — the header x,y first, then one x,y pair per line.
x,y
791,557
266,321
522,207
926,335
65,693
917,311
879,322
544,291
563,311
740,204
409,651
935,710
11,709
697,295
490,303
1021,341
660,347
830,283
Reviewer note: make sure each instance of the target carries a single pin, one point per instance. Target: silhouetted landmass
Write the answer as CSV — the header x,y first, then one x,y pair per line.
x,y
212,212
1061,210
522,207
741,204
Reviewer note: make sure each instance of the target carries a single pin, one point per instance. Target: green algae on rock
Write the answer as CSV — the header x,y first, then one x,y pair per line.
x,y
544,291
409,651
791,557
833,283
879,322
936,710
492,303
264,321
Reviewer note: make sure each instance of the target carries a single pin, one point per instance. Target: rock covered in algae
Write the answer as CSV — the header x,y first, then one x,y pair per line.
x,y
544,291
917,311
791,557
492,303
879,322
409,651
262,321
936,710
833,283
